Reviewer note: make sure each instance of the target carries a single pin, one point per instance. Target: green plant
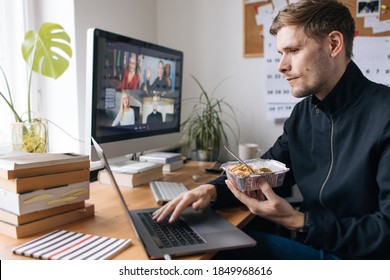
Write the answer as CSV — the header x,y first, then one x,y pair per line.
x,y
46,52
207,123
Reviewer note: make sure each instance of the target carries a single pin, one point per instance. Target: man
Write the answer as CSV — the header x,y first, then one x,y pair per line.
x,y
155,116
336,142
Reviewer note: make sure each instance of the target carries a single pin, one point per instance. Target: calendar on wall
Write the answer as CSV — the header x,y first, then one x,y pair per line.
x,y
371,53
280,102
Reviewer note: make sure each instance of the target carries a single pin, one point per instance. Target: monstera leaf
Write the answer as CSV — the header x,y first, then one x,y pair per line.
x,y
47,52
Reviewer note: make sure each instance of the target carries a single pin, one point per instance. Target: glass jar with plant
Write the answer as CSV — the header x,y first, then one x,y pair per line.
x,y
46,52
207,124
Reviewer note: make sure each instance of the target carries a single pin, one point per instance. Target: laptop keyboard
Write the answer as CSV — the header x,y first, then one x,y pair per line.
x,y
166,191
167,235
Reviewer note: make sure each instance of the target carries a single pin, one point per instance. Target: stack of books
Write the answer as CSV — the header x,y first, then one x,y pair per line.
x,y
170,161
42,191
125,176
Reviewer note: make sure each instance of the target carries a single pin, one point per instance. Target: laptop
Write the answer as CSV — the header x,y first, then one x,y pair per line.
x,y
202,230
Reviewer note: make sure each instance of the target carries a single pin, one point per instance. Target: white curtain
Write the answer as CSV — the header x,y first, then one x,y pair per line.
x,y
12,29
55,100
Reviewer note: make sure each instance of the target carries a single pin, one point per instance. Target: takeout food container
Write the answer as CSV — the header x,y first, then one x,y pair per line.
x,y
250,183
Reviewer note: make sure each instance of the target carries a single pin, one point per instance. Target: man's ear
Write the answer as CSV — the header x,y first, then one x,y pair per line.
x,y
335,43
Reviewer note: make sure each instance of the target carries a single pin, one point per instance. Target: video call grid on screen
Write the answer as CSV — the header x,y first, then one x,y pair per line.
x,y
160,92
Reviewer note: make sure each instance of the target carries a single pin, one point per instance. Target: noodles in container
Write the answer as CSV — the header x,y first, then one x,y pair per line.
x,y
265,169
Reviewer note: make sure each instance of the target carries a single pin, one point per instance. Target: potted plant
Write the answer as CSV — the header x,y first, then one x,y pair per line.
x,y
205,128
46,52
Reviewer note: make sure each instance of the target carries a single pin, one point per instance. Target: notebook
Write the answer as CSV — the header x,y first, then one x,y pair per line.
x,y
69,245
202,230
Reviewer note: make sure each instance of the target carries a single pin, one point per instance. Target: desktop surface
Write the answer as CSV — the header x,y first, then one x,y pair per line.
x,y
109,219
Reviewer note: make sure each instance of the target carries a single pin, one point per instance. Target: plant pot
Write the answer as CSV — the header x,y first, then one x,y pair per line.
x,y
31,137
206,155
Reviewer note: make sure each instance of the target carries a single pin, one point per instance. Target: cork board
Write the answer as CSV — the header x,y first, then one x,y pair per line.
x,y
253,40
359,21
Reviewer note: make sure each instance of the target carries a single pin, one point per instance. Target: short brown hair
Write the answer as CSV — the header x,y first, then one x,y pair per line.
x,y
318,18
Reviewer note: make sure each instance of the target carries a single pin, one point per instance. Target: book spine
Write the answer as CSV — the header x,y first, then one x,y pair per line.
x,y
146,178
122,179
131,180
47,223
21,185
24,160
150,159
43,199
169,167
160,159
14,219
45,170
173,159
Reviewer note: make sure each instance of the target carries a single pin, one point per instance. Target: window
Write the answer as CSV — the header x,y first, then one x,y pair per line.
x,y
11,60
55,100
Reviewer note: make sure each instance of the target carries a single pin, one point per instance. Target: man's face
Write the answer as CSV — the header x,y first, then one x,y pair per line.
x,y
305,62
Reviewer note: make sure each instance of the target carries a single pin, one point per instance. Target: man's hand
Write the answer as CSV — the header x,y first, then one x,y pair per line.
x,y
199,198
273,208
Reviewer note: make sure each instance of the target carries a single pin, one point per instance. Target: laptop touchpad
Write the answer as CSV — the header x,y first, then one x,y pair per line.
x,y
205,220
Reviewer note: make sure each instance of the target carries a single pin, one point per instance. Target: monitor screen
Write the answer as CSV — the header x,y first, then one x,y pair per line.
x,y
135,90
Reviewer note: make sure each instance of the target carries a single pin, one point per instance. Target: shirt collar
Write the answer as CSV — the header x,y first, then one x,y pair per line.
x,y
343,93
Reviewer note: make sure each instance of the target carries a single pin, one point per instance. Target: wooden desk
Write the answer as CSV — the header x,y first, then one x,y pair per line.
x,y
109,219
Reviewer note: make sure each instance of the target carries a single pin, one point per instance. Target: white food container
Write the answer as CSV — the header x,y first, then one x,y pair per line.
x,y
250,183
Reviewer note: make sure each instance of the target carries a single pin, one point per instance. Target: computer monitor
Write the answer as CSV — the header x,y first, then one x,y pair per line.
x,y
135,92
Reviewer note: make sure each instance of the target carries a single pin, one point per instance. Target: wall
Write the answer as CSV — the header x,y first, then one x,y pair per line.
x,y
210,34
134,18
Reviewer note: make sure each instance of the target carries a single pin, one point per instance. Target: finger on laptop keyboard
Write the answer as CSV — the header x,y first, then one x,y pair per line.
x,y
169,209
199,197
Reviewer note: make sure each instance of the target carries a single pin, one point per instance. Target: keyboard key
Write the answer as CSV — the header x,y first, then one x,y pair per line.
x,y
166,191
167,235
